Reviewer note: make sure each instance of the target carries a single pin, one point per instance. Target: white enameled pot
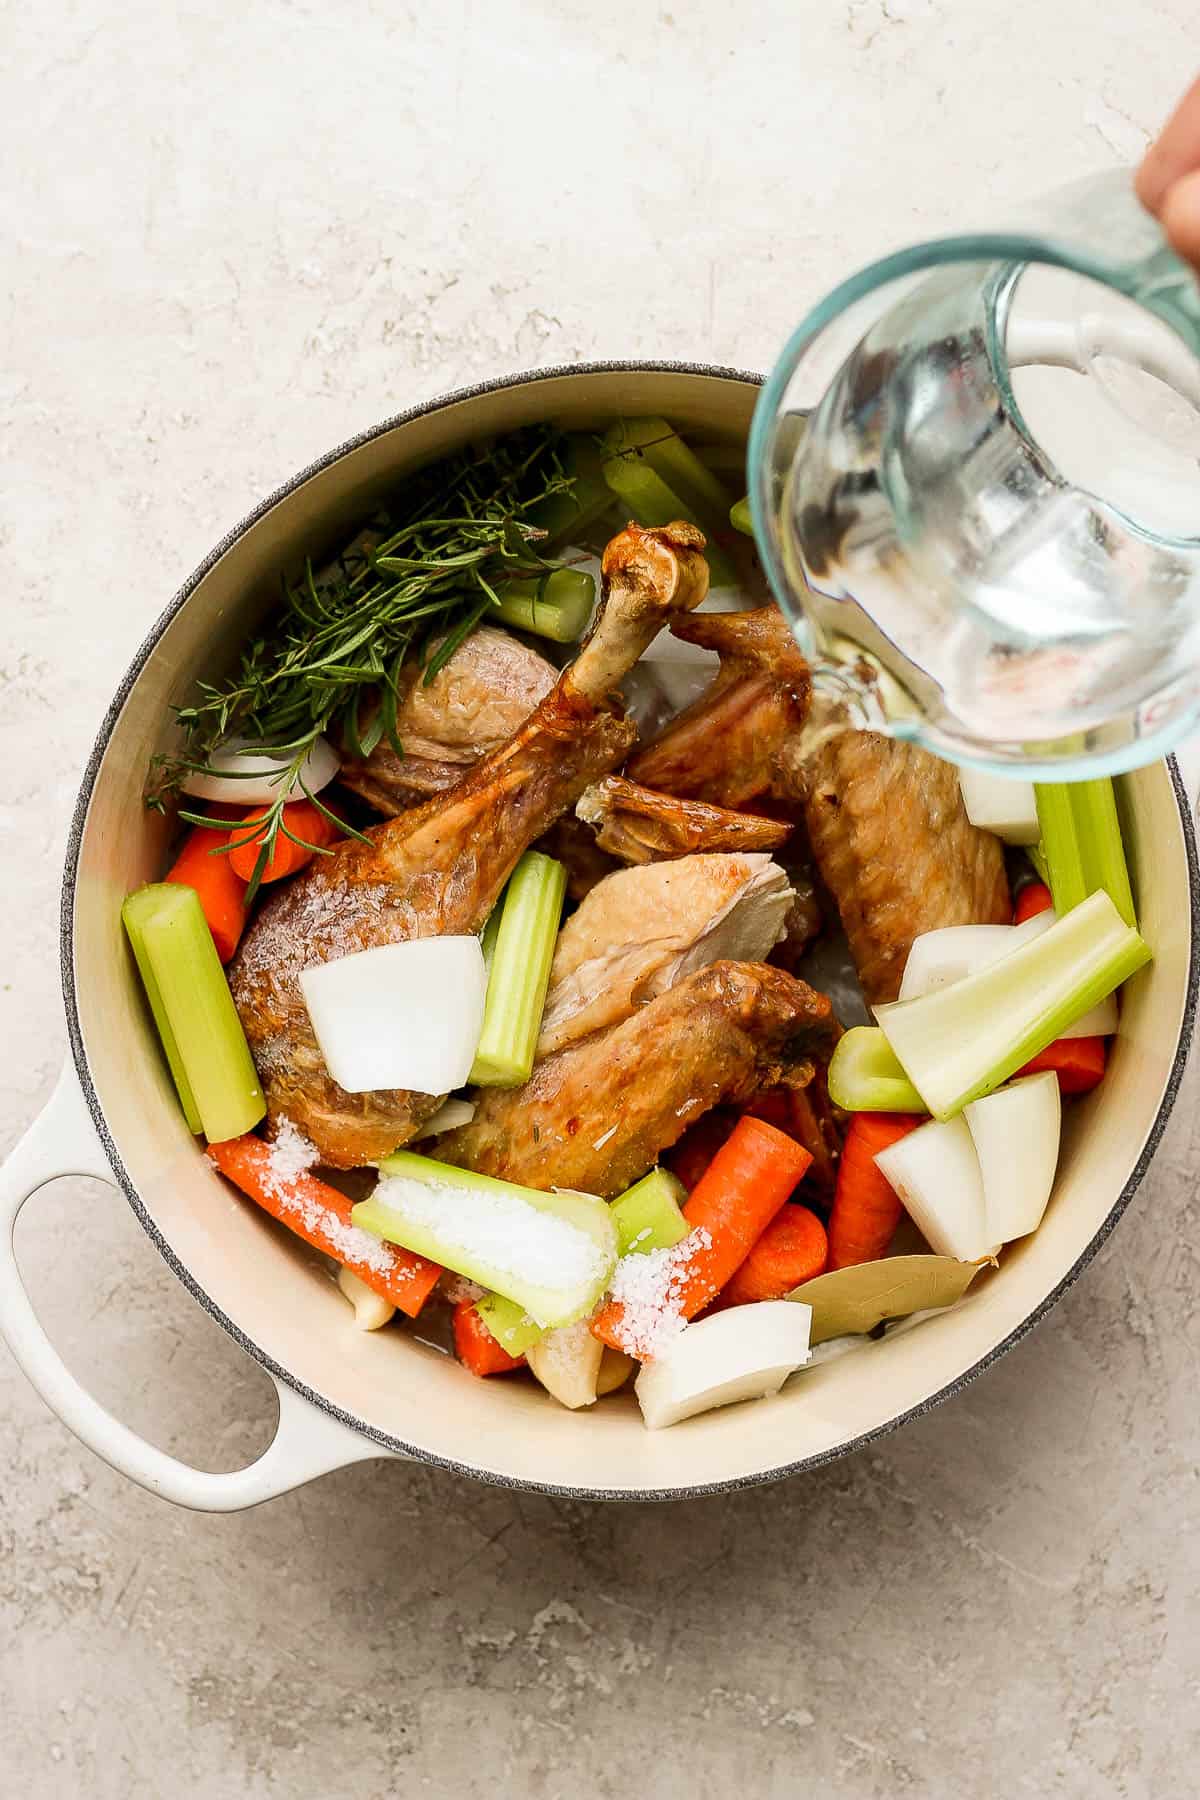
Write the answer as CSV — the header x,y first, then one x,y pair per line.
x,y
346,1395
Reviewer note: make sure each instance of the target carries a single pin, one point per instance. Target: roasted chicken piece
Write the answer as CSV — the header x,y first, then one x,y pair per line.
x,y
895,848
485,691
642,930
723,747
440,868
597,1115
636,825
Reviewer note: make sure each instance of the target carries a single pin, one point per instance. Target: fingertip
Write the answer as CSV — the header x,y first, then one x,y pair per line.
x,y
1180,215
1150,182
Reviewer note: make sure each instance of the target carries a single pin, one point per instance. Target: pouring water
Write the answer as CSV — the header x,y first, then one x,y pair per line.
x,y
976,477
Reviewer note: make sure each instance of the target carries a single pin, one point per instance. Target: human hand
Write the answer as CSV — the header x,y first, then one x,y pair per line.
x,y
1168,182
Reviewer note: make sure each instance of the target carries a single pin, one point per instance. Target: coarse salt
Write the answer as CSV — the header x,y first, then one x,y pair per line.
x,y
499,1230
290,1156
456,1288
649,1290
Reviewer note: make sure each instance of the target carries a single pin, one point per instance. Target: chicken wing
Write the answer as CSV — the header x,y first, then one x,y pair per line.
x,y
637,825
895,848
440,868
597,1115
723,747
486,690
642,930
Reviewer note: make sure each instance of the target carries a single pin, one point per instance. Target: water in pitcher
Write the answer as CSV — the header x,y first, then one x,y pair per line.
x,y
996,496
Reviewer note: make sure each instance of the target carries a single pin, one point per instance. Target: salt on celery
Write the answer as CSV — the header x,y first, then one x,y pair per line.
x,y
551,1254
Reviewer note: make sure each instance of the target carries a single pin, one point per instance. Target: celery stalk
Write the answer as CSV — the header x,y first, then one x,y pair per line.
x,y
678,465
167,1037
167,921
551,1254
1081,842
566,517
509,1324
520,971
556,605
962,1041
865,1075
740,517
647,1215
653,500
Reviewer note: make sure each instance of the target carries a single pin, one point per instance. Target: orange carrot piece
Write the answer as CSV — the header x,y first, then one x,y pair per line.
x,y
1079,1063
1035,897
300,817
744,1186
320,1215
792,1249
222,895
690,1157
475,1346
866,1207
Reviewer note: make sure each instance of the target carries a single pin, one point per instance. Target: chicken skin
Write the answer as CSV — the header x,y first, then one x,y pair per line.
x,y
637,825
723,747
475,702
598,1114
895,848
641,930
439,868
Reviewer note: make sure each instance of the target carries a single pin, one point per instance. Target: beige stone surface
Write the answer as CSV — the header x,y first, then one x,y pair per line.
x,y
234,235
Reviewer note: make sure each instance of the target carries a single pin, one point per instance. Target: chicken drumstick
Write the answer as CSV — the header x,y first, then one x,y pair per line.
x,y
440,868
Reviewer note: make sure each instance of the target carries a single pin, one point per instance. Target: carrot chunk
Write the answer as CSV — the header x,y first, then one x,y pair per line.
x,y
222,895
320,1214
748,1180
866,1207
1079,1063
475,1346
792,1249
303,820
1035,897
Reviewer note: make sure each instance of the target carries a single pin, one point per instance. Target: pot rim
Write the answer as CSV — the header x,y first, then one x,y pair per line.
x,y
385,1440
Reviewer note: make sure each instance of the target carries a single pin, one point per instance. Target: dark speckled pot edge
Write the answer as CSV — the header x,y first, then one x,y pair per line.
x,y
415,1451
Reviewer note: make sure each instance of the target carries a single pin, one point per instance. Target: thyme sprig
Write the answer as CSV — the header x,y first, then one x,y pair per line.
x,y
427,566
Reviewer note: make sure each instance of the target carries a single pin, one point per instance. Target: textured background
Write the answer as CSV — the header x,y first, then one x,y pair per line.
x,y
234,235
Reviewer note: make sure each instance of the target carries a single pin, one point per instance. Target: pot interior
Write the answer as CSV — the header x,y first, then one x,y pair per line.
x,y
279,1298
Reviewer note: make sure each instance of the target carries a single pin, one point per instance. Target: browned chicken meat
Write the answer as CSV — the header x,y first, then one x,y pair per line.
x,y
597,1115
895,848
642,930
636,825
486,690
440,868
723,747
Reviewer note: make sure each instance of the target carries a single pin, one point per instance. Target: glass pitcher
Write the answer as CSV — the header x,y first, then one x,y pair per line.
x,y
975,482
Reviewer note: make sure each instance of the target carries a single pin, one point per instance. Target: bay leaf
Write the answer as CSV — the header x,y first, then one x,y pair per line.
x,y
857,1299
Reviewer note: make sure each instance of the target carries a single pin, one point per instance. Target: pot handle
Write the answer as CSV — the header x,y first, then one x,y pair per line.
x,y
307,1442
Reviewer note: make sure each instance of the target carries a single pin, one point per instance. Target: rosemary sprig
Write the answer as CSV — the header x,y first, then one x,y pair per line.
x,y
426,566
